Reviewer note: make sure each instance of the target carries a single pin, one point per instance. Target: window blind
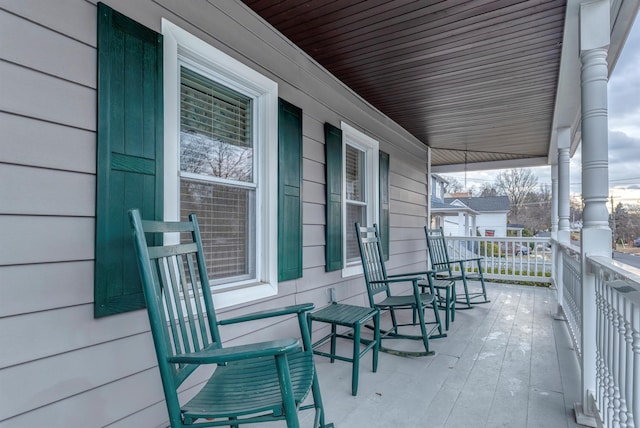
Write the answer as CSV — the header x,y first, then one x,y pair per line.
x,y
216,152
215,129
355,201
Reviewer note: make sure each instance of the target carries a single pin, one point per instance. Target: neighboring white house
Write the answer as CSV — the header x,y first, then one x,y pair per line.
x,y
463,215
490,220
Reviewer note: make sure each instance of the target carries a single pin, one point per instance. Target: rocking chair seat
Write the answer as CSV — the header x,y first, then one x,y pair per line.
x,y
250,386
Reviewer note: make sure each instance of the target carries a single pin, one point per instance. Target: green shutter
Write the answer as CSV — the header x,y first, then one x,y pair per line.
x,y
333,207
129,153
384,203
289,191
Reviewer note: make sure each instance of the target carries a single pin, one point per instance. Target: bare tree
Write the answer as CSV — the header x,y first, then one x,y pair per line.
x,y
200,154
516,184
488,189
535,213
453,185
627,222
575,209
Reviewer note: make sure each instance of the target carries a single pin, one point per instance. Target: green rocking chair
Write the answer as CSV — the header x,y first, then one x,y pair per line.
x,y
259,382
455,270
380,295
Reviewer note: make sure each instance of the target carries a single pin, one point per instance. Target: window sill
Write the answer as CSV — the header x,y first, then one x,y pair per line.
x,y
237,296
352,270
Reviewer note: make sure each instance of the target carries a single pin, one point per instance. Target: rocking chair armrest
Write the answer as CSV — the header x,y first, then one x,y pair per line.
x,y
393,280
236,353
474,259
412,274
287,310
414,283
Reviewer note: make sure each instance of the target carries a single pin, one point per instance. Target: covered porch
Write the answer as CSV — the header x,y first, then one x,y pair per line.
x,y
508,363
526,359
442,87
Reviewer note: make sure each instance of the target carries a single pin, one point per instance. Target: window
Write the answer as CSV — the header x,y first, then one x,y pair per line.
x,y
360,190
217,179
221,163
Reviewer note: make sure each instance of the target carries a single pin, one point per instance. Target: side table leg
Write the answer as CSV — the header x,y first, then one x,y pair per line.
x,y
453,304
356,359
333,341
447,307
376,338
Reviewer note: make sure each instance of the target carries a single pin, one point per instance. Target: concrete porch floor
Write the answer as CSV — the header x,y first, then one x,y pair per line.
x,y
507,363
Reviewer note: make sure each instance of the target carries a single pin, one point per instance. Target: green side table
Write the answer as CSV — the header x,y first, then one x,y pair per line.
x,y
445,291
353,317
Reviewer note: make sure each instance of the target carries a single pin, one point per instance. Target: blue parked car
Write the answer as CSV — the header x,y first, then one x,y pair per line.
x,y
636,242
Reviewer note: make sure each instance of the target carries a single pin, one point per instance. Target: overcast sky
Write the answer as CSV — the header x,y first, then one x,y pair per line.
x,y
624,132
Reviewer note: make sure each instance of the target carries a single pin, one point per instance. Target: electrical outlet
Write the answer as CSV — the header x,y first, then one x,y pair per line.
x,y
332,295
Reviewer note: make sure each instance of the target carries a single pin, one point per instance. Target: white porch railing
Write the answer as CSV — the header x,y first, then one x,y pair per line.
x,y
617,393
510,259
571,276
616,400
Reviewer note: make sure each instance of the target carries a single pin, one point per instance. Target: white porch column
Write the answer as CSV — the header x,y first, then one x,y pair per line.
x,y
563,233
466,225
462,220
564,144
596,234
556,266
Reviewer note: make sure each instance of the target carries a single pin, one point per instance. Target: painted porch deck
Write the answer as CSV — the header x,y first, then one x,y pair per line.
x,y
504,364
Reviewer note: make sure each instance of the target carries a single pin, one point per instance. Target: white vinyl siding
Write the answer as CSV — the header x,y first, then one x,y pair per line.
x,y
65,368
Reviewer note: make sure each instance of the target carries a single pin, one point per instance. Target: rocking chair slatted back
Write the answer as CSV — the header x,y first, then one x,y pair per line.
x,y
455,270
180,287
438,252
372,261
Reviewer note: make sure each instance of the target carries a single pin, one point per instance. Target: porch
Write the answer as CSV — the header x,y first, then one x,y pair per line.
x,y
529,358
508,363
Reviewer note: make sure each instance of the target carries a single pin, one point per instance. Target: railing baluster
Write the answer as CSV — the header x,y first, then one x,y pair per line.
x,y
617,343
600,326
609,334
615,361
635,317
629,371
622,360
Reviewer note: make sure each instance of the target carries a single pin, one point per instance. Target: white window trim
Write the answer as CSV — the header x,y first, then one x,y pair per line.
x,y
181,46
370,146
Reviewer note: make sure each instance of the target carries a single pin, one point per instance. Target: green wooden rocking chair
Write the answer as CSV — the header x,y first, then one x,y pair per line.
x,y
379,283
455,270
259,382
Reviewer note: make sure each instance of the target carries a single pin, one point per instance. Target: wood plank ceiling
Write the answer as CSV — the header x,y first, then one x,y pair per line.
x,y
475,80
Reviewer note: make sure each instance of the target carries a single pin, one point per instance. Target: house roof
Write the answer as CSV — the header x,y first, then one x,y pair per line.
x,y
484,204
449,209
